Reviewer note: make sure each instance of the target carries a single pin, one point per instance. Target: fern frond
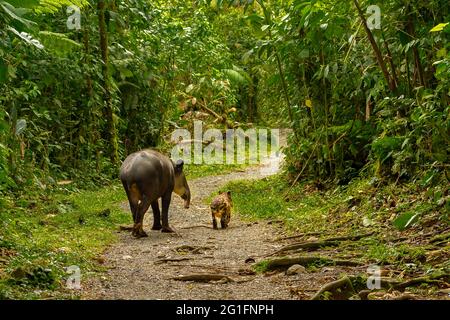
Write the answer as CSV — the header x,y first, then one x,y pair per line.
x,y
54,5
57,42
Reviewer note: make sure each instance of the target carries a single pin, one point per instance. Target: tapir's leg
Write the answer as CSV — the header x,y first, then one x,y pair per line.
x,y
156,216
165,212
133,202
138,231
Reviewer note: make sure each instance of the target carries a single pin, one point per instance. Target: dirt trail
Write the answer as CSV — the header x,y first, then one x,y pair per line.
x,y
136,269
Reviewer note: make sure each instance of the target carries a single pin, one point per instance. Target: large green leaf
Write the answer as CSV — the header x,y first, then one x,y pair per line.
x,y
406,220
16,13
439,27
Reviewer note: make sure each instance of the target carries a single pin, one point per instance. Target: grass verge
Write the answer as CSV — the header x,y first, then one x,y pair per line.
x,y
44,232
40,236
401,239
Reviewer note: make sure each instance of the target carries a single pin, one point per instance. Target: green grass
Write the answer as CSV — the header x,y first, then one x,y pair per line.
x,y
43,232
194,171
360,207
45,235
264,199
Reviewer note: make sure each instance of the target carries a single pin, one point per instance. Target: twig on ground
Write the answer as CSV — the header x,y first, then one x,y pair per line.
x,y
199,277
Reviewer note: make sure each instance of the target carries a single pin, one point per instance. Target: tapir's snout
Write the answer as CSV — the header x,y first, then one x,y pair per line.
x,y
181,185
187,199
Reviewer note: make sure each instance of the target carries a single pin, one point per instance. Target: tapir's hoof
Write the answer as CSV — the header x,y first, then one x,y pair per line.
x,y
142,234
157,227
167,230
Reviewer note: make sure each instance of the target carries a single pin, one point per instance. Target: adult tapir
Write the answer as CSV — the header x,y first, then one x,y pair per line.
x,y
148,175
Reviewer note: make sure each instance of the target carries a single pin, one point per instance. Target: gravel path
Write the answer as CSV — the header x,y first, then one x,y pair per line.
x,y
137,270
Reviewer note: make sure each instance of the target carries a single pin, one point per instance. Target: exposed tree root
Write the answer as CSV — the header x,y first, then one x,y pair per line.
x,y
389,283
351,238
297,236
199,277
314,245
344,285
420,280
440,238
286,262
405,296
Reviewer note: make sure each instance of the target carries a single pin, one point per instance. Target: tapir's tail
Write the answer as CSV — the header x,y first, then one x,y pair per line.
x,y
135,198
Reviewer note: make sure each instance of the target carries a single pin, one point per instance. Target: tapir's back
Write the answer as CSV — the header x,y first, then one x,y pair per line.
x,y
151,171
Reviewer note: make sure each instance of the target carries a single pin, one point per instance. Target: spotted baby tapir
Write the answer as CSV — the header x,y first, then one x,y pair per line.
x,y
221,209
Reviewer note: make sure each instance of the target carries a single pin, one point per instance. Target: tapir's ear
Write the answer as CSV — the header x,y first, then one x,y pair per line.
x,y
179,166
229,193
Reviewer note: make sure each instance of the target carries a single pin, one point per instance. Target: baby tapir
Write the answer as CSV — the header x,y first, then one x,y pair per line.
x,y
221,209
148,175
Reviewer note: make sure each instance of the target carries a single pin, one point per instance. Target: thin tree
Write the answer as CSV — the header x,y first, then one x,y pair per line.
x,y
109,112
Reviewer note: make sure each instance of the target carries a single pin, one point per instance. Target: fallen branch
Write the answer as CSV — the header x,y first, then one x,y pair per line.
x,y
343,284
160,261
220,118
198,277
197,226
192,249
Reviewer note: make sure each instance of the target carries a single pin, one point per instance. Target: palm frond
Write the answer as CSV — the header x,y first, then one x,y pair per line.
x,y
54,5
238,75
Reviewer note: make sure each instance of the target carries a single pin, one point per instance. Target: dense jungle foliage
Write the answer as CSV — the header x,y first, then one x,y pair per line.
x,y
363,85
76,101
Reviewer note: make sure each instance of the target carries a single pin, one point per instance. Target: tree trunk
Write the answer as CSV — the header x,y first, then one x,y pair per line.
x,y
376,49
417,63
109,112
